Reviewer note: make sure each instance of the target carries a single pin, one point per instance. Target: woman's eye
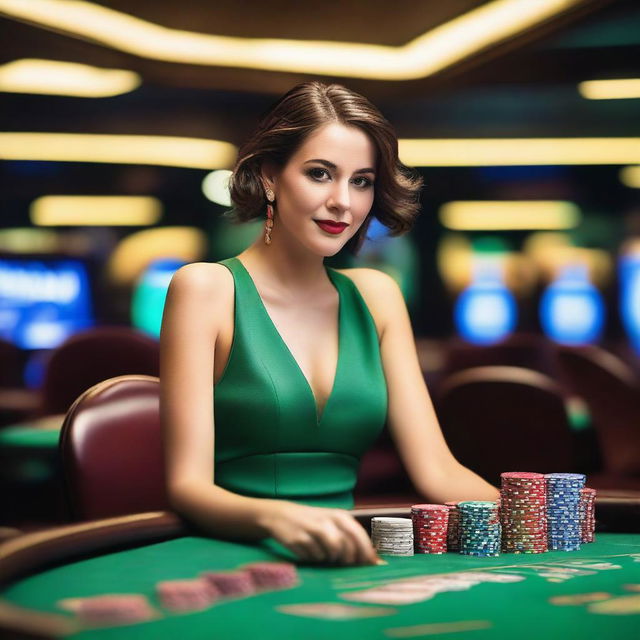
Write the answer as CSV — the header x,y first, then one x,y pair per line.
x,y
364,182
317,174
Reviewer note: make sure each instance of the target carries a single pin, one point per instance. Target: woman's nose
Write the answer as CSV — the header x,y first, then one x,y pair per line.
x,y
339,197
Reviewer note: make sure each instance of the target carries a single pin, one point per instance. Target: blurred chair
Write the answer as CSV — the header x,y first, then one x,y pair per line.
x,y
11,365
111,449
611,391
16,402
525,350
382,478
91,356
499,419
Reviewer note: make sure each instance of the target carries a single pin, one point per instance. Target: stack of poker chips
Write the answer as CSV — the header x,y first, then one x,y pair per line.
x,y
273,575
453,530
523,512
479,528
113,609
430,527
392,536
187,595
231,584
587,514
563,510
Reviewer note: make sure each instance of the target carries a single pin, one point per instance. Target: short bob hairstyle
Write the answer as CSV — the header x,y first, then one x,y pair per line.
x,y
286,125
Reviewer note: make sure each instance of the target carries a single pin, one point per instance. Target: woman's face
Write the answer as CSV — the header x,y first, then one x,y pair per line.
x,y
329,178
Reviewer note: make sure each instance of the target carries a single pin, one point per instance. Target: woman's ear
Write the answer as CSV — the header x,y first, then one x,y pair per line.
x,y
268,176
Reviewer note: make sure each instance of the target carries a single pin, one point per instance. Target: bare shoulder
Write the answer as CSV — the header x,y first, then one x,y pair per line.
x,y
201,289
380,292
202,279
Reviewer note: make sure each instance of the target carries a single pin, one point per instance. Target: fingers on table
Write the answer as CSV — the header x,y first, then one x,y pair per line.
x,y
364,553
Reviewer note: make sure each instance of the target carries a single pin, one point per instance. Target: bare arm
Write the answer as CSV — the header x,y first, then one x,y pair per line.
x,y
413,424
198,296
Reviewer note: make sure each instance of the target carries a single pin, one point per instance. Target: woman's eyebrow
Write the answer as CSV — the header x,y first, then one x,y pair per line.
x,y
330,165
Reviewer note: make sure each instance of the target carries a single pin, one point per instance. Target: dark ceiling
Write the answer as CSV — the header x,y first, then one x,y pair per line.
x,y
521,88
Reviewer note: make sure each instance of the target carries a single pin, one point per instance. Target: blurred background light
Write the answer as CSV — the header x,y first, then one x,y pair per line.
x,y
95,211
43,300
572,311
215,187
54,77
150,293
430,52
629,267
630,177
614,89
133,255
518,151
171,151
486,311
496,214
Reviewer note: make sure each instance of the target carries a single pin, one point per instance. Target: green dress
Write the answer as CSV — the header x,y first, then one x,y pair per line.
x,y
269,440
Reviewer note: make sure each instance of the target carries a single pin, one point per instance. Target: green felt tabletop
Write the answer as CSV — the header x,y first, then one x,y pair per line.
x,y
25,436
522,609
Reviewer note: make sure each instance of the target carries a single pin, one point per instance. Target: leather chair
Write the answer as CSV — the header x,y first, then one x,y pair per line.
x,y
499,419
11,364
90,356
111,449
526,350
611,391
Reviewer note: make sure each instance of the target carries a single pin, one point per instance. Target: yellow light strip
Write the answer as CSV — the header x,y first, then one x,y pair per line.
x,y
52,77
168,151
95,210
630,177
427,54
610,89
485,215
478,152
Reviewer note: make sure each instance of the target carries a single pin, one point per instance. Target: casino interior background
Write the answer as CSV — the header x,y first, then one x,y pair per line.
x,y
120,121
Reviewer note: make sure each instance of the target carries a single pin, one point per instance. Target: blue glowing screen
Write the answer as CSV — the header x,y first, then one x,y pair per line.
x,y
43,302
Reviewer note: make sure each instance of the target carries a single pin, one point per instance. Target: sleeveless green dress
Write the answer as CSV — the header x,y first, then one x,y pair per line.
x,y
269,440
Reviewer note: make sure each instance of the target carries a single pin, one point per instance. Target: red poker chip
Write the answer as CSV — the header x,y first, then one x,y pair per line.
x,y
231,583
524,475
187,595
273,574
429,507
114,609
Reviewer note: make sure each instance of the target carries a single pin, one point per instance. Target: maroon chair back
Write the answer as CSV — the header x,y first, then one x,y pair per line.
x,y
499,419
92,356
611,392
111,449
11,365
525,350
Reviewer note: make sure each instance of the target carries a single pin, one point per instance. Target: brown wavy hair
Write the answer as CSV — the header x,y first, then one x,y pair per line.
x,y
286,125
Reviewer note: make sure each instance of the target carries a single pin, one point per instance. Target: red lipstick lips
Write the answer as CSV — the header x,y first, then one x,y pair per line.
x,y
331,227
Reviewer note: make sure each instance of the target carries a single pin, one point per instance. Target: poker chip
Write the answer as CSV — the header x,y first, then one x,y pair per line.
x,y
522,512
587,514
563,510
231,583
430,527
453,527
187,595
392,536
114,609
273,575
480,531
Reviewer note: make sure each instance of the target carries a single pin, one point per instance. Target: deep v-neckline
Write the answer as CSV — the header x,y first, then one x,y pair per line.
x,y
294,362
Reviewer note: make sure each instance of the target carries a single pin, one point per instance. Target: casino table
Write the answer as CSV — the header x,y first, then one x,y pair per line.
x,y
593,592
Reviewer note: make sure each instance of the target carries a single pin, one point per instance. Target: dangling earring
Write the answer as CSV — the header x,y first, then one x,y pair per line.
x,y
269,224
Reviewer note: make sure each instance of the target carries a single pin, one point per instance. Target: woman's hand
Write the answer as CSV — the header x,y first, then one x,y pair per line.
x,y
319,534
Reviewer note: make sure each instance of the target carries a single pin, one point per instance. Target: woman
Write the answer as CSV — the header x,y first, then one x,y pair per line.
x,y
293,366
